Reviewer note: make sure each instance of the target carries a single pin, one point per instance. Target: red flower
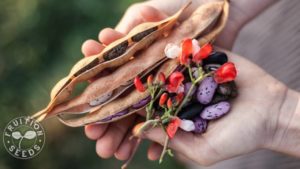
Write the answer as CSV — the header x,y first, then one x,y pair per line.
x,y
225,73
162,77
163,99
139,85
175,80
173,127
203,53
169,103
187,50
179,97
150,80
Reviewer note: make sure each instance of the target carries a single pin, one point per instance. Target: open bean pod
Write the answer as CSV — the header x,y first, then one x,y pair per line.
x,y
204,24
114,55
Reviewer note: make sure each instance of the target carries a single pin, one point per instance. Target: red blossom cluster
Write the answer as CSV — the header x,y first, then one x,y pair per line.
x,y
189,54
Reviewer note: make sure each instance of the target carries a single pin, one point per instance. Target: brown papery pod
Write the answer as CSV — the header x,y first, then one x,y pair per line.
x,y
119,104
206,18
114,55
115,84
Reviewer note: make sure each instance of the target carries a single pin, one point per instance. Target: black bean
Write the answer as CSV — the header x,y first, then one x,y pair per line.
x,y
141,35
211,67
191,111
216,58
218,98
116,51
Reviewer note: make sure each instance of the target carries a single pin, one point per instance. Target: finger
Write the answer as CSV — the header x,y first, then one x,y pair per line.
x,y
137,14
125,149
91,47
127,146
154,151
108,35
107,145
141,112
95,131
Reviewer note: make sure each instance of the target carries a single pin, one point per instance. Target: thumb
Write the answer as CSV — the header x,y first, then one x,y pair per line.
x,y
137,14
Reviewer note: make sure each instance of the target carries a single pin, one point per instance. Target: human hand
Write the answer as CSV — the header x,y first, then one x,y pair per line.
x,y
259,113
113,139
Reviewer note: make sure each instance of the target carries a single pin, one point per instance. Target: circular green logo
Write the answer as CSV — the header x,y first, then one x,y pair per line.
x,y
23,137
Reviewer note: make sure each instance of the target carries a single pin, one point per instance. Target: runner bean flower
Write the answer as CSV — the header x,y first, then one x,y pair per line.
x,y
176,107
225,73
175,81
139,85
173,127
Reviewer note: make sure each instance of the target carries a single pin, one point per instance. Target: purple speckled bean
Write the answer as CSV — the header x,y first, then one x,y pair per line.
x,y
108,118
206,90
142,103
200,125
187,87
121,113
215,111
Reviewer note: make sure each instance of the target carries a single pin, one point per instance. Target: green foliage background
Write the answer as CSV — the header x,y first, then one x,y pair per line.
x,y
39,42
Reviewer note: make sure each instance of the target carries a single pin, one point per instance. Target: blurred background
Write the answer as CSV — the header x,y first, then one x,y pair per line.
x,y
39,42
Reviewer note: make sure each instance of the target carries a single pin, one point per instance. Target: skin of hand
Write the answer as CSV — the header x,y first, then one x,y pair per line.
x,y
259,115
112,139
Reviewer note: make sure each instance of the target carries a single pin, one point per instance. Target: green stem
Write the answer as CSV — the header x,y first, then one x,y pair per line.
x,y
185,99
191,74
146,125
149,108
164,150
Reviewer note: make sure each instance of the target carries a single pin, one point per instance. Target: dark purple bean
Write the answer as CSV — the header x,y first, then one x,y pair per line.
x,y
200,125
206,90
142,103
215,111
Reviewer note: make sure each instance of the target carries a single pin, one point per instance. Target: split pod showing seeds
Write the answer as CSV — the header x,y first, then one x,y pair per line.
x,y
114,55
125,101
204,25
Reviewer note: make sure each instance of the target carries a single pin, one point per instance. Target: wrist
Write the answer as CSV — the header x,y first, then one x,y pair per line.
x,y
286,133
